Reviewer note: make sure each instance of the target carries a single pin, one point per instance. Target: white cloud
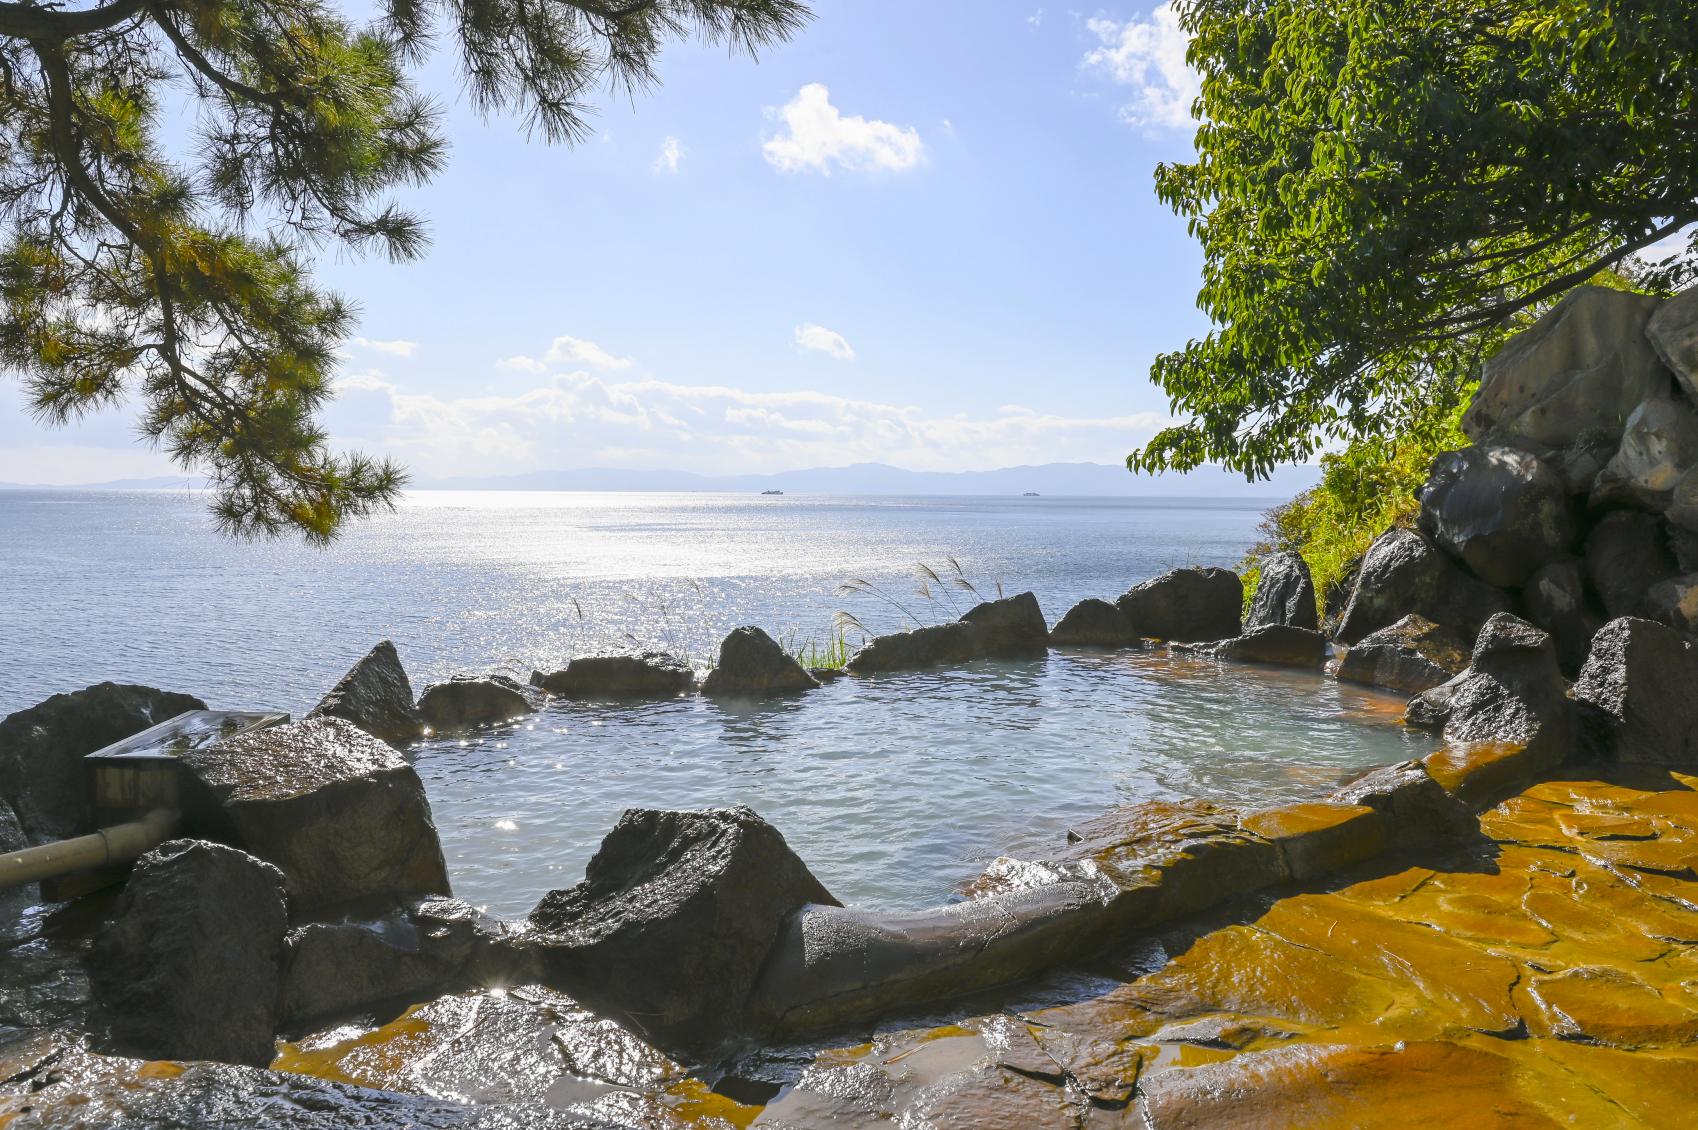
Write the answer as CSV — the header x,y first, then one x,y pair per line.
x,y
583,420
1036,19
568,351
1147,55
817,135
393,348
671,152
822,340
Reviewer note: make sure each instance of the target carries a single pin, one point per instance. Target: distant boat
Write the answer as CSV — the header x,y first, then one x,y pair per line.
x,y
772,492
1031,494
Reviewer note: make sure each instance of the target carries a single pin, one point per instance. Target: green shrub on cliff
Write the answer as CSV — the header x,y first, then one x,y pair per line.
x,y
1364,490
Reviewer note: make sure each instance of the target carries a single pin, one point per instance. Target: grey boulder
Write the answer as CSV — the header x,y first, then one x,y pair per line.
x,y
1500,511
1673,332
649,674
673,921
1013,625
1658,448
1186,605
477,700
930,646
753,665
1673,602
42,747
1279,644
1403,573
1285,594
1639,694
1513,692
1555,599
376,696
341,813
1571,380
1410,656
1627,553
190,965
1093,623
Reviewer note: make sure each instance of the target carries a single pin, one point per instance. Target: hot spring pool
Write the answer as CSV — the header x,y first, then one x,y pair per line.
x,y
897,790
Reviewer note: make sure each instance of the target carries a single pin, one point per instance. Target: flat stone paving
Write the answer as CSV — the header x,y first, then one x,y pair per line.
x,y
1549,979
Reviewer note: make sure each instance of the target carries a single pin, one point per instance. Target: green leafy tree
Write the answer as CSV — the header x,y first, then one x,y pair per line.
x,y
1382,188
183,278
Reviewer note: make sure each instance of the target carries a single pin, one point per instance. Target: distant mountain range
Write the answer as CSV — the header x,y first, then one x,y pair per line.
x,y
1099,479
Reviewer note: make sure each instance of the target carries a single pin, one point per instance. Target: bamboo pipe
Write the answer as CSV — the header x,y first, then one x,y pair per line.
x,y
117,844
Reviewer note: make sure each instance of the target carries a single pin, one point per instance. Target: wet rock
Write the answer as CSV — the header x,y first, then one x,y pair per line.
x,y
1415,807
1683,544
80,1091
1186,605
1571,380
1513,692
42,747
477,700
929,646
753,665
675,916
1556,600
1625,555
1403,573
376,696
1672,331
1093,623
650,674
1430,709
1014,625
1682,511
1637,693
1281,644
1673,602
337,970
1659,446
1319,838
1285,594
1605,1005
341,813
191,964
1501,511
1411,656
832,967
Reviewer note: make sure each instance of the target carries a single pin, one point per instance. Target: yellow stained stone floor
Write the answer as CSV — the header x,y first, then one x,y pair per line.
x,y
1547,979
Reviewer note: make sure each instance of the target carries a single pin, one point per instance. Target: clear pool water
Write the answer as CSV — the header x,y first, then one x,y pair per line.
x,y
897,790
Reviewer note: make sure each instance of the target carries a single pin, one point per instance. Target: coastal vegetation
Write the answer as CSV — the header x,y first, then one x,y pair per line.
x,y
1381,189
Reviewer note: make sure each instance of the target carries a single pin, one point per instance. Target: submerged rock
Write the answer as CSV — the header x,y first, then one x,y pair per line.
x,y
1014,625
1403,573
674,918
376,696
1627,553
1502,512
477,700
753,665
1639,691
1410,656
1282,644
1186,605
191,964
929,646
343,814
1093,623
649,674
42,747
1285,594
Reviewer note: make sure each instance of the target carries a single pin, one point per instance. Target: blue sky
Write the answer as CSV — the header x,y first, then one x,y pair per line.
x,y
923,233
